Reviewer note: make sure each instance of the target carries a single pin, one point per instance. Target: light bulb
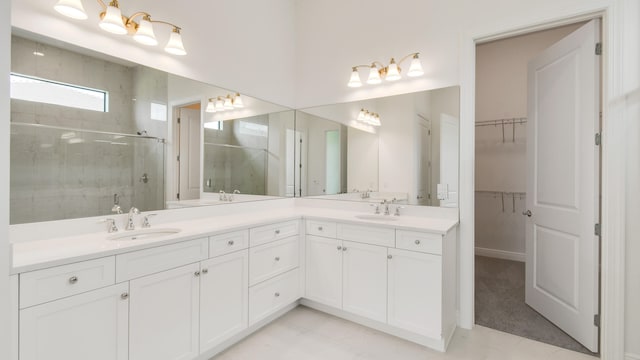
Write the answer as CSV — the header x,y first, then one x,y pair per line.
x,y
112,20
237,101
144,34
71,8
354,81
211,106
416,67
374,76
174,46
393,73
227,103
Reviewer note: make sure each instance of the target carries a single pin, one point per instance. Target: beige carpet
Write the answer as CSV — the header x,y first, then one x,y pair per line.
x,y
500,304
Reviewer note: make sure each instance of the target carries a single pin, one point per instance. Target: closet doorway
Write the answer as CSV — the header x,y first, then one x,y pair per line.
x,y
537,185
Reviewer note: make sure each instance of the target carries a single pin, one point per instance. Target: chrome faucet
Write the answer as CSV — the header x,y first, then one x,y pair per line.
x,y
145,220
130,225
231,196
116,204
111,225
385,203
223,196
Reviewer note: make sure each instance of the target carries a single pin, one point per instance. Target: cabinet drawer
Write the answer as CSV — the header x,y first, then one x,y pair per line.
x,y
321,228
419,241
271,259
264,234
40,286
144,262
227,243
367,234
272,295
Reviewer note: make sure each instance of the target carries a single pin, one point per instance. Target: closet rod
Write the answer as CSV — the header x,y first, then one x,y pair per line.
x,y
509,121
500,193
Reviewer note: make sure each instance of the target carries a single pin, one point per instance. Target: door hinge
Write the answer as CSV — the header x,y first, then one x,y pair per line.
x,y
178,120
596,320
597,229
178,196
178,158
599,48
598,139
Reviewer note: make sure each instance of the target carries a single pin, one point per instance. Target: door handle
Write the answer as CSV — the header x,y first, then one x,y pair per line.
x,y
527,213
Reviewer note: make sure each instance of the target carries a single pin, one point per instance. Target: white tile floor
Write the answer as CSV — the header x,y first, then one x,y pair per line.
x,y
306,334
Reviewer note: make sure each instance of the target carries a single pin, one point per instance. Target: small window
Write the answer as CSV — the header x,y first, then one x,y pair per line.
x,y
30,88
215,125
158,111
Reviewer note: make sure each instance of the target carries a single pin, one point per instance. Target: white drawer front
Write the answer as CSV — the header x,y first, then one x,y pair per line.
x,y
321,228
144,262
264,234
271,259
367,234
419,241
44,285
227,243
272,295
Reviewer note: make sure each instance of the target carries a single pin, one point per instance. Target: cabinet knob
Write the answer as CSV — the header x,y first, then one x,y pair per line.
x,y
230,243
276,294
389,256
197,273
277,258
339,248
73,280
417,242
277,232
344,248
319,228
205,271
124,296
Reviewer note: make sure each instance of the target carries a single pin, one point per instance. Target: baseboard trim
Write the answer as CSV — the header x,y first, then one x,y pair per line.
x,y
501,254
629,356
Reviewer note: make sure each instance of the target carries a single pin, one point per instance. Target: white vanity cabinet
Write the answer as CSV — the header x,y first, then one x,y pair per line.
x,y
323,270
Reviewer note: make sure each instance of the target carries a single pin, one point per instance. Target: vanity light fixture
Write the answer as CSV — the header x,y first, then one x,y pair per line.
x,y
369,117
112,20
221,103
378,71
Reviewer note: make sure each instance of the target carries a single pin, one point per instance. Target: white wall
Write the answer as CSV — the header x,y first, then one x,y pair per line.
x,y
5,60
223,39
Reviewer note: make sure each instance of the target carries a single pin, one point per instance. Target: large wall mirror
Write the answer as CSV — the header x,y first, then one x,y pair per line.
x,y
410,157
91,134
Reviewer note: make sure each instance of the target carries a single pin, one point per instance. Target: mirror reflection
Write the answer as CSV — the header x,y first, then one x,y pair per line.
x,y
93,135
411,157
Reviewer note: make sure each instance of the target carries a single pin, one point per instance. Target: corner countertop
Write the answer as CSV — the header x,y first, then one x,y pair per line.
x,y
40,254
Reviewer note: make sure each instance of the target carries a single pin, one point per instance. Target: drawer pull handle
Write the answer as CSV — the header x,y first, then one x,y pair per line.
x,y
124,296
197,273
417,242
389,256
319,228
339,248
276,294
230,243
73,280
205,271
277,258
277,232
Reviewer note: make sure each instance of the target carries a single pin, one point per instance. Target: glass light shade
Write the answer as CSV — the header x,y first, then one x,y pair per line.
x,y
144,34
227,103
220,105
237,101
375,120
71,8
361,115
416,67
112,21
374,76
393,73
355,79
211,106
174,46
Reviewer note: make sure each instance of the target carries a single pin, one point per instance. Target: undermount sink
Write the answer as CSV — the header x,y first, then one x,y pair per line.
x,y
143,234
377,217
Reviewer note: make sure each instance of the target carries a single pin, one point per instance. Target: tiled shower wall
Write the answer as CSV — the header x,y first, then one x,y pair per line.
x,y
53,178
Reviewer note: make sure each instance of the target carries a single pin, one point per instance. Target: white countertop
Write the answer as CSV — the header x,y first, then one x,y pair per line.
x,y
39,254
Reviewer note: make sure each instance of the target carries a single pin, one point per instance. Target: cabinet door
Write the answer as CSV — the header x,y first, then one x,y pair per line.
x,y
324,270
92,325
415,292
164,315
364,280
224,298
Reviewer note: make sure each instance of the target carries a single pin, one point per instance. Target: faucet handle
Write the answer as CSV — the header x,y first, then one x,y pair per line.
x,y
111,225
145,220
397,213
377,208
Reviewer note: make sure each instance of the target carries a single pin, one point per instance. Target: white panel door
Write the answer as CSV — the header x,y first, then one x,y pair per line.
x,y
364,280
190,130
163,315
224,298
415,292
423,172
93,325
449,135
562,184
324,270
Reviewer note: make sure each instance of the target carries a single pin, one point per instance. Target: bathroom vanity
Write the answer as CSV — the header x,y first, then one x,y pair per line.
x,y
225,271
